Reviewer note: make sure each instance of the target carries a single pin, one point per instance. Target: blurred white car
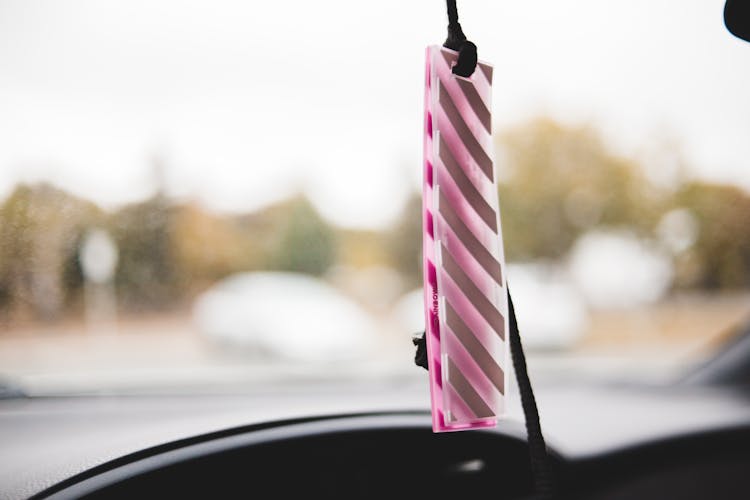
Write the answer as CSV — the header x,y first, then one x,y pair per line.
x,y
617,270
285,316
551,312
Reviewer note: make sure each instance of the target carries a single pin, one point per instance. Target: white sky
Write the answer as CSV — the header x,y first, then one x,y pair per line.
x,y
326,96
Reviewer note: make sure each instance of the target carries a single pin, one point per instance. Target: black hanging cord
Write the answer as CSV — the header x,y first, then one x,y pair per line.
x,y
467,51
543,483
456,35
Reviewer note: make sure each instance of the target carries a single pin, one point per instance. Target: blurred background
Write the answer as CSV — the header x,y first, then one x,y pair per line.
x,y
201,195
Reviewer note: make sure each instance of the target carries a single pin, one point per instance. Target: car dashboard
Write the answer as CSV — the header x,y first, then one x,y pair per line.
x,y
203,446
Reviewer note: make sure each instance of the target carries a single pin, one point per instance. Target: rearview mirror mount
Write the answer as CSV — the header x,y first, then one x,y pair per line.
x,y
737,18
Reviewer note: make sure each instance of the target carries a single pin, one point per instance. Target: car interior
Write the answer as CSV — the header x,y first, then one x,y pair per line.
x,y
683,436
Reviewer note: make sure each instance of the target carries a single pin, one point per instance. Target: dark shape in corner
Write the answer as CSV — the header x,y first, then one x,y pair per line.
x,y
737,18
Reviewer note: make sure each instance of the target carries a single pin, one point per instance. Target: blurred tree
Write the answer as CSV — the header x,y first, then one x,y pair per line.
x,y
16,249
720,255
404,242
361,248
147,273
559,181
209,246
304,243
39,229
556,183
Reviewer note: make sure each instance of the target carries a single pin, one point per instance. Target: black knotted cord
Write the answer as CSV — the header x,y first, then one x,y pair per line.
x,y
467,51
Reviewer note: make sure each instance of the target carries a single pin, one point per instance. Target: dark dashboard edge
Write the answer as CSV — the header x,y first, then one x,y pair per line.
x,y
202,438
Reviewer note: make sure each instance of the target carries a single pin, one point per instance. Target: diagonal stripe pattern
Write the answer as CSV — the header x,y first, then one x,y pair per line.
x,y
465,298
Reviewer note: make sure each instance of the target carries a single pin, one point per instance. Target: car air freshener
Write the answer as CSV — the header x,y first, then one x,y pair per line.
x,y
464,270
468,307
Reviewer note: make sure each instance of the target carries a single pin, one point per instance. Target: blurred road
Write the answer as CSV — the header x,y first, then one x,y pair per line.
x,y
165,354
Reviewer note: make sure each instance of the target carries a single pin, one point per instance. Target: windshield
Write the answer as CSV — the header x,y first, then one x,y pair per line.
x,y
202,195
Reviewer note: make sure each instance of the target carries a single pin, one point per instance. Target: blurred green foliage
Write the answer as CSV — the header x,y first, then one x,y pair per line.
x,y
144,235
39,232
557,182
404,241
720,255
167,252
305,243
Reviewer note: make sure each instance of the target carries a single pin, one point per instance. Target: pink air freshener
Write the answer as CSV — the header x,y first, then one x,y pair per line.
x,y
464,267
